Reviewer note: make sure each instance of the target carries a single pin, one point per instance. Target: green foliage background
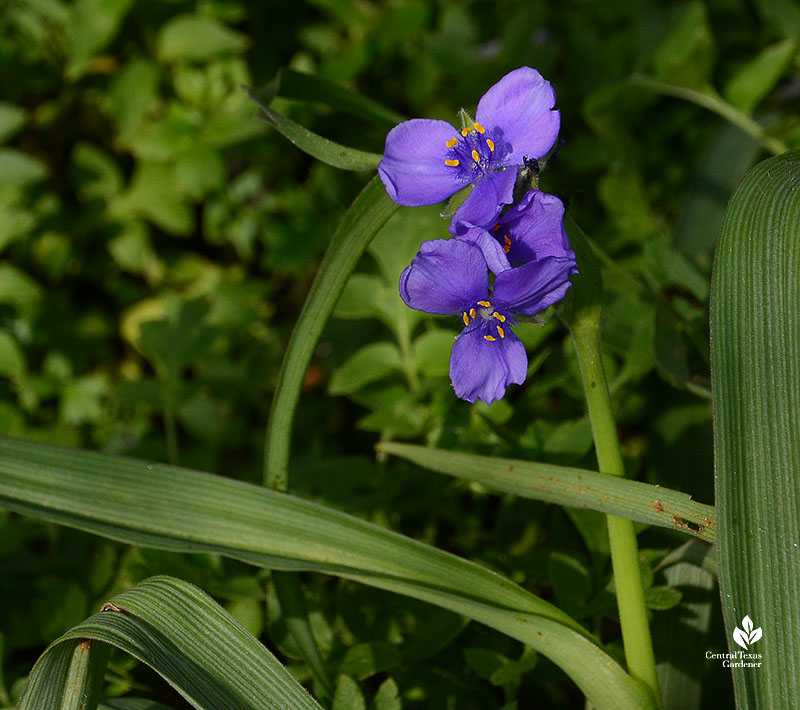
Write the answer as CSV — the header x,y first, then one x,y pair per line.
x,y
157,243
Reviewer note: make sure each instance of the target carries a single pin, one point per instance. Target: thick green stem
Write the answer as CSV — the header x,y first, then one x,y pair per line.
x,y
583,312
624,551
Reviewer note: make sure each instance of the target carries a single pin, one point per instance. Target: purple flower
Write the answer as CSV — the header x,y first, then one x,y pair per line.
x,y
449,276
427,161
531,229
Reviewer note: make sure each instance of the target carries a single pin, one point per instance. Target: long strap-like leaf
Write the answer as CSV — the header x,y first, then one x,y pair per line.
x,y
174,508
328,151
186,637
573,487
368,213
755,327
300,86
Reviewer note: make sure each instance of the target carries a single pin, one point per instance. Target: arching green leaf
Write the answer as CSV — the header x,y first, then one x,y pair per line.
x,y
157,622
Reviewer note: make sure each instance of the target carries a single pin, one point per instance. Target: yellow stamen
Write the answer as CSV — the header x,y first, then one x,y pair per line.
x,y
500,331
506,248
507,240
464,131
485,304
478,127
451,163
472,312
496,227
451,142
465,317
475,156
499,317
490,143
489,337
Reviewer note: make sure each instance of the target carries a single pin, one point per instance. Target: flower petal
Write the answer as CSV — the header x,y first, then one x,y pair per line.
x,y
413,168
496,258
534,286
481,208
536,223
517,110
482,369
446,276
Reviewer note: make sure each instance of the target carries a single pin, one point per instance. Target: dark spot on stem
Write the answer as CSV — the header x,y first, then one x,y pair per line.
x,y
688,525
658,505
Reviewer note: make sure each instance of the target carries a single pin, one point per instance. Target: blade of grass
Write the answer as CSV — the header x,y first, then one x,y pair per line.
x,y
755,326
173,508
368,213
328,151
574,487
290,84
157,622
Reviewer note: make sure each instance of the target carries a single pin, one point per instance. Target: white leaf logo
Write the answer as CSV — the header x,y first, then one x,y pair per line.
x,y
740,637
749,635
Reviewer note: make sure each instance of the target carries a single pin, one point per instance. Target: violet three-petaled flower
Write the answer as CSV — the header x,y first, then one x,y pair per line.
x,y
450,276
427,161
531,229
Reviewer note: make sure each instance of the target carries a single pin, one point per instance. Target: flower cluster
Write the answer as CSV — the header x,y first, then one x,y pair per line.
x,y
524,244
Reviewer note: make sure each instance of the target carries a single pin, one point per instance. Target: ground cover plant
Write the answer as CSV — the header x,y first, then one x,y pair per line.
x,y
269,271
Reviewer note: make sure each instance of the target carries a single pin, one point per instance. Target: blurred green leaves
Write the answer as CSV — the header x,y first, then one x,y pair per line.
x,y
371,363
197,38
172,343
151,231
17,168
756,79
12,118
685,56
91,25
